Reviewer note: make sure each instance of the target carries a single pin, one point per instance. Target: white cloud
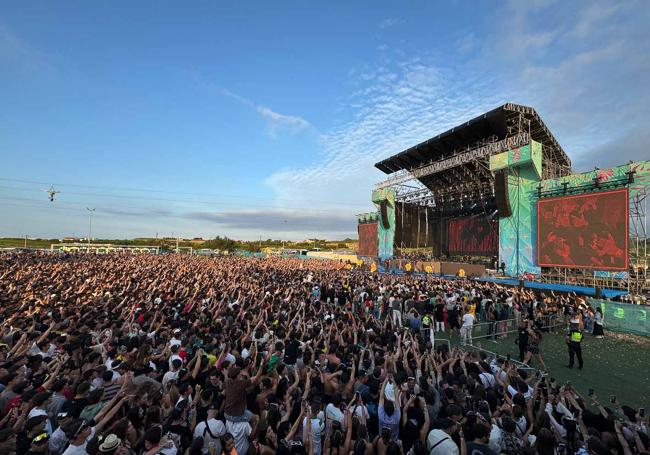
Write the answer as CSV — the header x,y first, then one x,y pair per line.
x,y
594,15
390,22
277,120
397,107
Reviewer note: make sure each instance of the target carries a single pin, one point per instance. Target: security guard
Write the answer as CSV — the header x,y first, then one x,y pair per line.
x,y
574,340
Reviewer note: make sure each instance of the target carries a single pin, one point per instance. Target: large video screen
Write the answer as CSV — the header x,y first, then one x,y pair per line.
x,y
474,236
584,231
368,239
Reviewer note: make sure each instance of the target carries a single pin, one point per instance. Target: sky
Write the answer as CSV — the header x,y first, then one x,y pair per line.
x,y
264,119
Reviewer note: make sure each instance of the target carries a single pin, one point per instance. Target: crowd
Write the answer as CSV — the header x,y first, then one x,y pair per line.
x,y
186,355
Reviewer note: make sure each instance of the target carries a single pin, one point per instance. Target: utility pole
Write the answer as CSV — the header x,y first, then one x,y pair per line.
x,y
176,244
25,241
284,235
90,224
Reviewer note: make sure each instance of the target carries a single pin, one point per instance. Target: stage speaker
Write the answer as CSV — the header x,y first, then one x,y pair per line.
x,y
384,214
599,292
501,193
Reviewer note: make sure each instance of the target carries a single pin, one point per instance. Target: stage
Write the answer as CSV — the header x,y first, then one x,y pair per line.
x,y
581,290
499,190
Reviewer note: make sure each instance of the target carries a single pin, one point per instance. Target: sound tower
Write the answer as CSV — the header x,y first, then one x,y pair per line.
x,y
384,214
501,193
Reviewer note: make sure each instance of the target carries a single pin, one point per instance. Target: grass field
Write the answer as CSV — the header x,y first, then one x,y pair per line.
x,y
615,365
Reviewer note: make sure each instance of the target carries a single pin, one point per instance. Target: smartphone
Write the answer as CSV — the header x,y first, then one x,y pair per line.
x,y
642,412
612,398
590,392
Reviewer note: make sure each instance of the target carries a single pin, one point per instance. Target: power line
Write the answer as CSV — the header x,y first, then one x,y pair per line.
x,y
186,201
142,190
105,211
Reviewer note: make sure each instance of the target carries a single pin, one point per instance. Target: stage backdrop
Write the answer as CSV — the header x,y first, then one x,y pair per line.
x,y
473,236
584,231
368,239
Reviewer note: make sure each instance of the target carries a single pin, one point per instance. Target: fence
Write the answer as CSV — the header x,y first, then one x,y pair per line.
x,y
519,365
498,329
624,317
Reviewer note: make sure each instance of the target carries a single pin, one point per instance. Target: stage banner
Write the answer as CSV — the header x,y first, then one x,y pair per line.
x,y
385,197
518,232
610,274
519,156
623,317
641,170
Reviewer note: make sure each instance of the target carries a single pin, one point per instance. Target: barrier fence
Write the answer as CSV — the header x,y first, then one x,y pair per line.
x,y
519,365
498,329
624,317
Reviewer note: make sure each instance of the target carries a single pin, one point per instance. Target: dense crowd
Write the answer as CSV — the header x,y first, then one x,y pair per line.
x,y
186,355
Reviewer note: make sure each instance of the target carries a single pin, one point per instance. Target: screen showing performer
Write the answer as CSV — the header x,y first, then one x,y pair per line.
x,y
368,239
584,231
474,236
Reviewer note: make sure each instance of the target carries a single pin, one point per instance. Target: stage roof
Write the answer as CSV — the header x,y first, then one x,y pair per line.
x,y
494,125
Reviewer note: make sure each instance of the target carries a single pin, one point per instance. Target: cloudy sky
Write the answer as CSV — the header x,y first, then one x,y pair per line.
x,y
265,118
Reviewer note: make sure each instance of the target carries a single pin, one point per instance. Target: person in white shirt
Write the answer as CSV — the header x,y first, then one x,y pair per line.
x,y
317,428
211,430
173,373
175,341
466,329
174,355
333,413
240,431
439,442
79,434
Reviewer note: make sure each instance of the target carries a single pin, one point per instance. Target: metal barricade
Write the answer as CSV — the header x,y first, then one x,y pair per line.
x,y
519,365
483,330
551,321
503,328
444,341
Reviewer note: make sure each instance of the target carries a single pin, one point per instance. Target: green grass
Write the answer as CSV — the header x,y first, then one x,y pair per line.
x,y
615,365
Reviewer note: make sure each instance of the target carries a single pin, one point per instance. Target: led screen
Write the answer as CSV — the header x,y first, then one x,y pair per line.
x,y
584,231
368,239
473,236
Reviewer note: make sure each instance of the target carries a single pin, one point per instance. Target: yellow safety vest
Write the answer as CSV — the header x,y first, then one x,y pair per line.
x,y
576,336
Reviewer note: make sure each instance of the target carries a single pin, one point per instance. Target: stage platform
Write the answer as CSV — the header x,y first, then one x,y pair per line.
x,y
582,290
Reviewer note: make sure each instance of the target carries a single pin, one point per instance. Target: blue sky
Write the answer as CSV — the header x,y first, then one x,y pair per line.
x,y
255,119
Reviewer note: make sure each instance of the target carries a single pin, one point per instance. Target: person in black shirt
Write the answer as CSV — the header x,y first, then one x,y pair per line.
x,y
291,350
522,339
479,446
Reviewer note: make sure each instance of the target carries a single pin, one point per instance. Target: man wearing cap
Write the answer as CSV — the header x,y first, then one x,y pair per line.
x,y
574,340
176,341
34,426
440,442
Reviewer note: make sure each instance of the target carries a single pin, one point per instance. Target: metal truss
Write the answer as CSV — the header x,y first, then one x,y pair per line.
x,y
468,156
